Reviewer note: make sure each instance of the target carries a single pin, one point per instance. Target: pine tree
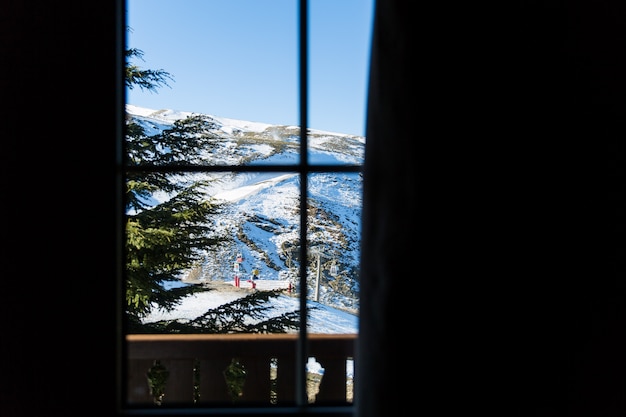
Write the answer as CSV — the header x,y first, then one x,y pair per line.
x,y
163,239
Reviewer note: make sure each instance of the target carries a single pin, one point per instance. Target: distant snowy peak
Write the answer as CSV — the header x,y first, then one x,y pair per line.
x,y
170,116
245,141
228,125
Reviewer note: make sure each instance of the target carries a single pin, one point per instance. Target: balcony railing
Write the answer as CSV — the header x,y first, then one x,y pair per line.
x,y
245,369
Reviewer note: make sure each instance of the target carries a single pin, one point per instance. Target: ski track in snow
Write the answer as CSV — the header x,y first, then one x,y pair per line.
x,y
247,190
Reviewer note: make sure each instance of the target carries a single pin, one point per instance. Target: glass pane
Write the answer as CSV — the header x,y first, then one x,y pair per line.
x,y
214,257
231,65
334,236
230,232
339,43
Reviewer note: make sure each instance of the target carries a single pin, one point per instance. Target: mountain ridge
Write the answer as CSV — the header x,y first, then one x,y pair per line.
x,y
260,208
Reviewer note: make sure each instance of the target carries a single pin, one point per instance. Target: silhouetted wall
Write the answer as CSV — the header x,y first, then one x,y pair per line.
x,y
493,240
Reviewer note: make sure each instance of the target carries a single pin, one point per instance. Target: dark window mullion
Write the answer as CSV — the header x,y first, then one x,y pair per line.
x,y
302,346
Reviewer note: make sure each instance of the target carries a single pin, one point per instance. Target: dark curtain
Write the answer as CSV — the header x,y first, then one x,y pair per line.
x,y
492,272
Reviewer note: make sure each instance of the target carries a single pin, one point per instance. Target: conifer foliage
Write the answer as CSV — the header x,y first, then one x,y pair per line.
x,y
163,238
244,315
146,79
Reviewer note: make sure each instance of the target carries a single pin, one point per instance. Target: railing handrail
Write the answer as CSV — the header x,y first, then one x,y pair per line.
x,y
184,354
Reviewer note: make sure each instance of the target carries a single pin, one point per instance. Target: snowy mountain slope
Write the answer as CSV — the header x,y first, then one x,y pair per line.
x,y
260,208
323,319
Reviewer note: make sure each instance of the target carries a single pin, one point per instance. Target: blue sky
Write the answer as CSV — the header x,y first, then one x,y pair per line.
x,y
239,59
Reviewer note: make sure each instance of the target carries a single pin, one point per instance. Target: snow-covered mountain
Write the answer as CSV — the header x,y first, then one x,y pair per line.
x,y
260,209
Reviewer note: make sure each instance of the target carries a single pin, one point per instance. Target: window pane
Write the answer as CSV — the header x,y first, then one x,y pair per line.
x,y
339,42
334,236
233,61
241,309
234,237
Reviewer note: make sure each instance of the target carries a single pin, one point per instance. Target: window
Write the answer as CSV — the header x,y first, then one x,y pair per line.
x,y
323,172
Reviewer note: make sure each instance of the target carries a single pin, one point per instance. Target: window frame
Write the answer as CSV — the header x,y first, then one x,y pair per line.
x,y
303,168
